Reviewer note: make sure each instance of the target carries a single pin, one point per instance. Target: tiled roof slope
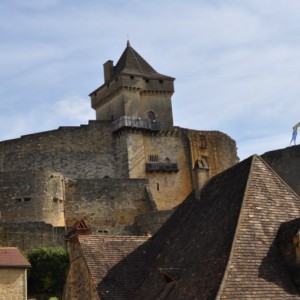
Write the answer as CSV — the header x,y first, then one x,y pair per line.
x,y
223,245
11,257
133,63
102,252
256,266
197,240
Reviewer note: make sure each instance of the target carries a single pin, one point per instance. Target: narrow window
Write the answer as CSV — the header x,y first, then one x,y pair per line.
x,y
23,199
157,186
151,115
203,142
153,157
56,200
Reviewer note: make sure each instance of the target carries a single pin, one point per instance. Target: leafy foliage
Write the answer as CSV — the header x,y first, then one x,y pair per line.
x,y
48,270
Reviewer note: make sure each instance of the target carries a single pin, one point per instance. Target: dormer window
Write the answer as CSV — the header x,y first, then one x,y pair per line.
x,y
131,77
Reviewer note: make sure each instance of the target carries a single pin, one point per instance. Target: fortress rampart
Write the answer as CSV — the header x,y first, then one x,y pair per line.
x,y
86,151
122,173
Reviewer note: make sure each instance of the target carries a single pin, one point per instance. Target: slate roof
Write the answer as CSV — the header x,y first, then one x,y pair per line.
x,y
11,257
132,63
102,252
224,245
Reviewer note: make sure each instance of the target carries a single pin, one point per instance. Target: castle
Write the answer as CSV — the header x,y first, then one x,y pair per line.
x,y
123,173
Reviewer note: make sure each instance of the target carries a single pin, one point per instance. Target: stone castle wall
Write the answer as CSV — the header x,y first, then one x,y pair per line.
x,y
217,148
286,162
76,152
31,235
150,222
84,155
91,173
32,196
108,204
182,147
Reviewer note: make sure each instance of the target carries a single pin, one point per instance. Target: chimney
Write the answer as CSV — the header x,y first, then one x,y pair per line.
x,y
108,70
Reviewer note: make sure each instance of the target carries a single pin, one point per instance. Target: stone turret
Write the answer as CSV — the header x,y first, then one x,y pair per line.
x,y
134,94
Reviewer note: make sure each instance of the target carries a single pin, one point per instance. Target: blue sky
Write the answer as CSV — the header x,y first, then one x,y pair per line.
x,y
236,63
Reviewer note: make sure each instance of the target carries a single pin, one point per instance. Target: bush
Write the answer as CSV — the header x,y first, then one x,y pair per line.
x,y
48,270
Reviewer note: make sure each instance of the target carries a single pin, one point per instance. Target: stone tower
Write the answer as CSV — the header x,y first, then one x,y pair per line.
x,y
136,100
134,92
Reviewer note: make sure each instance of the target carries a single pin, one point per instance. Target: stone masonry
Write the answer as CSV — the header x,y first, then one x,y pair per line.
x,y
130,161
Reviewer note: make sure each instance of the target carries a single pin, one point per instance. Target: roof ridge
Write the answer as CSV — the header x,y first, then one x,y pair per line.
x,y
243,212
277,175
222,284
137,61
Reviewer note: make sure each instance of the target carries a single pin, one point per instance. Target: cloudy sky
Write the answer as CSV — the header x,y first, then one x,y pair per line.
x,y
236,63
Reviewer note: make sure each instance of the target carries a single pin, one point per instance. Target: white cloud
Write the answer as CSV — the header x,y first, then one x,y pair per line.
x,y
236,62
74,108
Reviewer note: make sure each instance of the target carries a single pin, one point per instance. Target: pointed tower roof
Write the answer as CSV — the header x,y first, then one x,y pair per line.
x,y
132,63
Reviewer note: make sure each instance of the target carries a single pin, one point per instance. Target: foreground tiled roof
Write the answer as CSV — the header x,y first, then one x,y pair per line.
x,y
133,63
103,252
223,245
12,257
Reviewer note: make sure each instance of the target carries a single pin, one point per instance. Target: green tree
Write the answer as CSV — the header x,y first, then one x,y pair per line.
x,y
48,271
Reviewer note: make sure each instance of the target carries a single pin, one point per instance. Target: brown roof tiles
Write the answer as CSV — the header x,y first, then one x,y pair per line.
x,y
223,246
133,63
103,252
224,243
12,257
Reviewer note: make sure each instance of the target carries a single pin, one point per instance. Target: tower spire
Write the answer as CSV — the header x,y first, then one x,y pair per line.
x,y
128,43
